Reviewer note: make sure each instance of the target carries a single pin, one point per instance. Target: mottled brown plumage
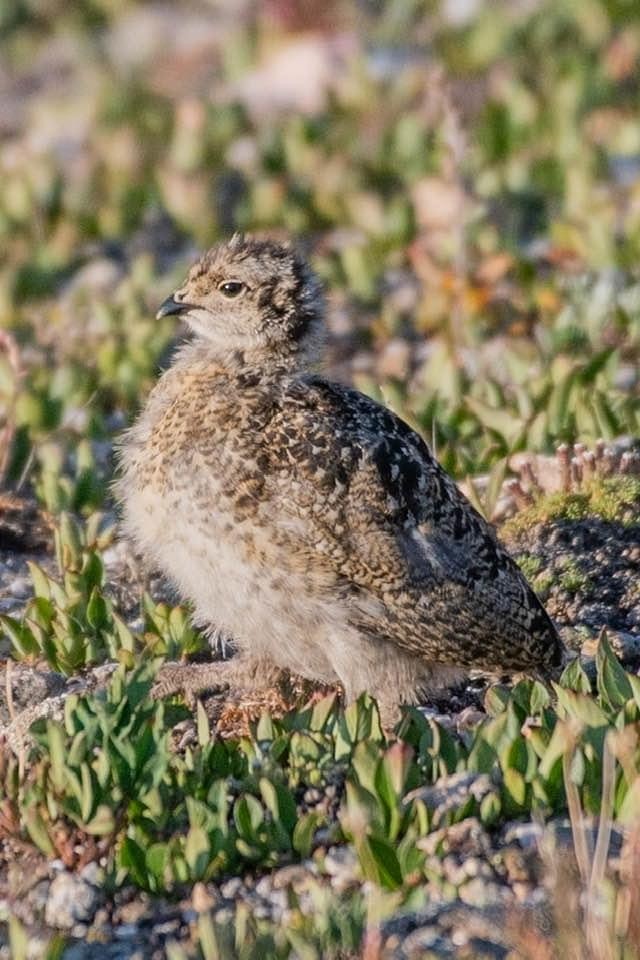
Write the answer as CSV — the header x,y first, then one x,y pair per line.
x,y
302,518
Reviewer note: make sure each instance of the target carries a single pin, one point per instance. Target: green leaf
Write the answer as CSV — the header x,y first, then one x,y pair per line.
x,y
608,423
360,721
248,815
40,580
613,684
125,637
496,699
561,740
93,572
132,858
279,803
97,610
515,786
500,421
396,763
629,811
635,688
157,858
18,939
580,706
202,725
364,764
37,830
102,823
383,856
595,365
88,798
574,677
207,938
21,637
70,542
265,729
490,809
77,751
516,757
304,832
494,487
197,851
57,754
540,698
322,712
482,756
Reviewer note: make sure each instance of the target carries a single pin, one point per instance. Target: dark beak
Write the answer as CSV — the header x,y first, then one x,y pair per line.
x,y
172,306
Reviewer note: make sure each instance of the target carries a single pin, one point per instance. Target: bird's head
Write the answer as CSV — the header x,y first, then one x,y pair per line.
x,y
256,297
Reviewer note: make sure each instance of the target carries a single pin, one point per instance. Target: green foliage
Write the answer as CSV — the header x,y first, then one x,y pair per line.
x,y
168,819
71,622
336,925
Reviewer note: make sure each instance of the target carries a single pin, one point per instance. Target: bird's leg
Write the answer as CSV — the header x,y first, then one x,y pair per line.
x,y
390,716
190,679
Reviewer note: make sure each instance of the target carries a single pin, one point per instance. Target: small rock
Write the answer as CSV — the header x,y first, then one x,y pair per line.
x,y
71,900
626,646
479,893
452,790
20,587
28,686
527,835
202,899
231,888
421,939
295,875
340,863
132,913
263,886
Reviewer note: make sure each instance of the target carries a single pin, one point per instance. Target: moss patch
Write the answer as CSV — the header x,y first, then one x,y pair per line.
x,y
612,499
529,564
572,579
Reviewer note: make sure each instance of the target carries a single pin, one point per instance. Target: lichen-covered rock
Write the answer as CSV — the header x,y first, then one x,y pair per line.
x,y
72,899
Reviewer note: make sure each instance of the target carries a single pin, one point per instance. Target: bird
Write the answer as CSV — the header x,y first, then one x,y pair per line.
x,y
302,518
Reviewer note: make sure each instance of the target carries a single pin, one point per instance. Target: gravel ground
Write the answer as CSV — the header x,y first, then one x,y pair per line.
x,y
479,882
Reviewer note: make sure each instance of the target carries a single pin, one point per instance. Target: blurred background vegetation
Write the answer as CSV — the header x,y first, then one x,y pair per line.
x,y
464,174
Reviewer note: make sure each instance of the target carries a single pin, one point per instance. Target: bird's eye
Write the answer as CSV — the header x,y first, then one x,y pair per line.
x,y
231,288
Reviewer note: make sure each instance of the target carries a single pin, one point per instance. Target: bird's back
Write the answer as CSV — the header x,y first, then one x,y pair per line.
x,y
415,561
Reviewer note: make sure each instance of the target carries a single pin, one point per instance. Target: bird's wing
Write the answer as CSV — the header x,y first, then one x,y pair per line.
x,y
417,564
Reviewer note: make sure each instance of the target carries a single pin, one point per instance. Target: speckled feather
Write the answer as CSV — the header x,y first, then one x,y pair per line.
x,y
304,519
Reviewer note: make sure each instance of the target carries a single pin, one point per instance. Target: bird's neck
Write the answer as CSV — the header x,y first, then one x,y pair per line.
x,y
238,363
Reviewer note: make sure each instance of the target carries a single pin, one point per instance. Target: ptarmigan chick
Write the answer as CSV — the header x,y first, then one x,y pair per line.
x,y
302,518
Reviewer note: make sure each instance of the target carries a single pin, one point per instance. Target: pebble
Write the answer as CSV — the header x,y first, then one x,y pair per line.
x,y
625,645
295,875
341,865
71,900
263,886
20,587
202,899
126,931
527,835
231,888
479,892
